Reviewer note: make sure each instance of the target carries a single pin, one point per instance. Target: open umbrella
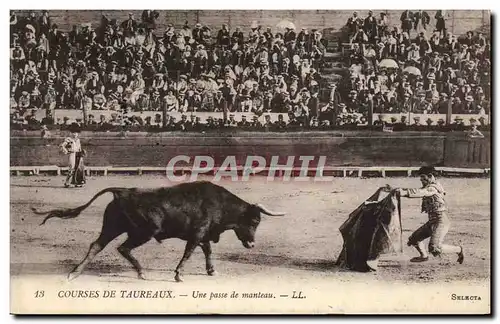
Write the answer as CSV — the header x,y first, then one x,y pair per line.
x,y
412,70
285,24
388,63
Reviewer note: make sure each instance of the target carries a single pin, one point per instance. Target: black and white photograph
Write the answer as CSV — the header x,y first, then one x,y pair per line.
x,y
175,161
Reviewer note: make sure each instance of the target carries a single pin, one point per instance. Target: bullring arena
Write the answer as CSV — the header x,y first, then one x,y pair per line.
x,y
298,250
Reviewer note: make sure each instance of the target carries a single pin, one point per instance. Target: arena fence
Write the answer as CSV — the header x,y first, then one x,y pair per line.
x,y
374,171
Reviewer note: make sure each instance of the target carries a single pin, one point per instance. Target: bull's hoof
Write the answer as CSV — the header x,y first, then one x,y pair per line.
x,y
211,272
141,276
73,276
178,278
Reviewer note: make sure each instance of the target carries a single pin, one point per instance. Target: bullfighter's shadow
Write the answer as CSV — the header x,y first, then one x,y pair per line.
x,y
282,261
330,265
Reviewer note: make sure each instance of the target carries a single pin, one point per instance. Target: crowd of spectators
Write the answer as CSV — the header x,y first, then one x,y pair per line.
x,y
398,73
128,66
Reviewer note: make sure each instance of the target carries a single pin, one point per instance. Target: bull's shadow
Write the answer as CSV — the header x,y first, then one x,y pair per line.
x,y
52,186
282,261
106,271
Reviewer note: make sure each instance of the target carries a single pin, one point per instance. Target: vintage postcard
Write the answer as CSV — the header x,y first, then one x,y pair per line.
x,y
250,161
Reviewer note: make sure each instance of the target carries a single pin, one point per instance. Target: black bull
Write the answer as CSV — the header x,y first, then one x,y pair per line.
x,y
197,212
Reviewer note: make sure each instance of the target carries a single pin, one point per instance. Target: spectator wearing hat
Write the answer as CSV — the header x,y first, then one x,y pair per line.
x,y
481,100
303,35
24,101
407,21
382,24
54,36
481,41
244,122
422,106
231,121
148,73
440,21
414,55
380,103
474,132
142,102
186,33
238,37
197,33
245,103
435,64
293,122
113,102
196,124
457,106
468,39
401,54
149,18
370,26
219,103
136,85
170,102
328,112
421,17
183,124
155,102
435,41
268,124
280,123
430,78
256,124
451,43
463,55
405,106
469,106
223,37
432,96
130,25
442,106
354,23
94,85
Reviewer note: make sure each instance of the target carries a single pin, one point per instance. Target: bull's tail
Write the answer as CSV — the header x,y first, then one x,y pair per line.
x,y
71,212
268,212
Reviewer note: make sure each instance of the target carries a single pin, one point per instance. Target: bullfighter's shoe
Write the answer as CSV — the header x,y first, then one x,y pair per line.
x,y
419,259
461,255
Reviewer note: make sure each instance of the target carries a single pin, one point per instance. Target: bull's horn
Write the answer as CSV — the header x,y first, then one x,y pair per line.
x,y
268,212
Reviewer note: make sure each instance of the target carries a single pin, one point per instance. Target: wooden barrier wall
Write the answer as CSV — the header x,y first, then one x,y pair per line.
x,y
365,150
472,153
355,148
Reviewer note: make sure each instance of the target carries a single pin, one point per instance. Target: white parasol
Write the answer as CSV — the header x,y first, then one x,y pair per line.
x,y
284,24
388,63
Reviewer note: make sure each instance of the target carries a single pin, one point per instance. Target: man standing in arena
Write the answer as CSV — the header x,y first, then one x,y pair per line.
x,y
434,204
73,149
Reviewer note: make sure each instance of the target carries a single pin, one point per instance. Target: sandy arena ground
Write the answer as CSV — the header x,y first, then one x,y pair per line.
x,y
299,248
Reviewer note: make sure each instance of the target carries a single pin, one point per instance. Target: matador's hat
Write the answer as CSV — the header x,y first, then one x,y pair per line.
x,y
427,170
74,128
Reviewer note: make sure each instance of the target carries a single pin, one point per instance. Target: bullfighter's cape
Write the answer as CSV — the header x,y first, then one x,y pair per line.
x,y
372,229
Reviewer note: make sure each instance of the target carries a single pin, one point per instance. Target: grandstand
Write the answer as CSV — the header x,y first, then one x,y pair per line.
x,y
282,70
